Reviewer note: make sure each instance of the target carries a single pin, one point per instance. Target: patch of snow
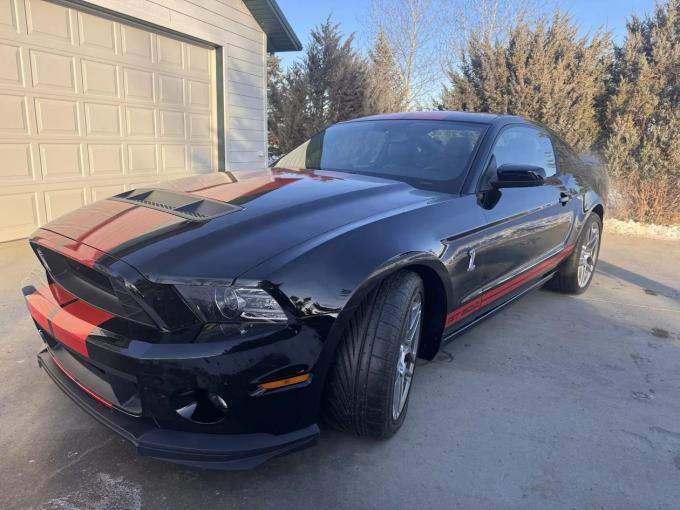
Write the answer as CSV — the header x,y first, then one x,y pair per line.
x,y
633,228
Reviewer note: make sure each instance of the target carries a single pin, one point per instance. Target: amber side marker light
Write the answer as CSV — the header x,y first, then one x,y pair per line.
x,y
272,385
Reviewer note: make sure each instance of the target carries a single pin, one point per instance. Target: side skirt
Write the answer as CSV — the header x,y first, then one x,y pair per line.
x,y
450,336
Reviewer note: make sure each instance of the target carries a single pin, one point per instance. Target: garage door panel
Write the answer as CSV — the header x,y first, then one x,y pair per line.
x,y
172,123
199,126
199,94
8,15
102,192
105,159
60,202
170,53
13,115
61,160
53,71
102,119
17,163
139,84
97,33
99,78
11,69
57,116
137,44
142,159
92,105
140,121
19,213
198,59
173,158
170,90
45,19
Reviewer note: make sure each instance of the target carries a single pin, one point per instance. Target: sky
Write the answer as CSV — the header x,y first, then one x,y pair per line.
x,y
305,15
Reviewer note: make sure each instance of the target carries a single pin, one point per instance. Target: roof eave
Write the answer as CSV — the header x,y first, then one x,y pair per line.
x,y
280,35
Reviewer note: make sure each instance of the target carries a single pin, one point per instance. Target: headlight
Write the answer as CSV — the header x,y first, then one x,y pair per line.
x,y
223,304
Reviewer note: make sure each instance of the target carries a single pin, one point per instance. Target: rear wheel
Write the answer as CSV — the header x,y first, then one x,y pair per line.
x,y
577,272
371,377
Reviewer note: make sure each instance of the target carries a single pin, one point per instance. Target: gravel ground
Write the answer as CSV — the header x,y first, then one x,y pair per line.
x,y
556,402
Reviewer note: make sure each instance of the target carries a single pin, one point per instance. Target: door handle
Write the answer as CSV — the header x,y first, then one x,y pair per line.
x,y
564,197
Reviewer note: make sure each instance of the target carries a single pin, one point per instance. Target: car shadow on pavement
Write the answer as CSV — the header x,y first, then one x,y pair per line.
x,y
651,287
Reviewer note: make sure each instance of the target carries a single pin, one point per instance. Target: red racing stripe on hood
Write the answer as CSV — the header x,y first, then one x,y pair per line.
x,y
86,255
132,223
102,227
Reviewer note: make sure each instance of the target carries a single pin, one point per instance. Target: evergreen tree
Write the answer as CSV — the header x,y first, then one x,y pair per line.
x,y
384,89
543,71
643,117
327,86
275,81
336,77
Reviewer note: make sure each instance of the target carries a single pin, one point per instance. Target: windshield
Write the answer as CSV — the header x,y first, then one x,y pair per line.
x,y
429,154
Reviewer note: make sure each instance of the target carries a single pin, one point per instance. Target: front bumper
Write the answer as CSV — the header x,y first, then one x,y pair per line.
x,y
213,451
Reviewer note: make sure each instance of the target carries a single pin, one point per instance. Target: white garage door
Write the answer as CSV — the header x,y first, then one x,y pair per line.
x,y
91,106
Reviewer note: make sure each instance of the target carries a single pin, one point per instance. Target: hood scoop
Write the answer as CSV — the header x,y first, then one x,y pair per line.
x,y
187,206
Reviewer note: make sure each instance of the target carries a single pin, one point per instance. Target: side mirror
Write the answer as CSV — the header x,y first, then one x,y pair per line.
x,y
518,176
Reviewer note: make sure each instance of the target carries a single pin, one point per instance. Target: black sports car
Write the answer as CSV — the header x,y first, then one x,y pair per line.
x,y
213,322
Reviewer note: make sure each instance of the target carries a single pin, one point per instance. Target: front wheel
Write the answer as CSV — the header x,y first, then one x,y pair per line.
x,y
371,377
577,272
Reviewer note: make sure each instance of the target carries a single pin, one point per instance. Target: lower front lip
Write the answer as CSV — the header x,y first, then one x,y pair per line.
x,y
212,451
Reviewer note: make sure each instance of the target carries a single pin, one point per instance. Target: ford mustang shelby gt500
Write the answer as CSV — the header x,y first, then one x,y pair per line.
x,y
214,322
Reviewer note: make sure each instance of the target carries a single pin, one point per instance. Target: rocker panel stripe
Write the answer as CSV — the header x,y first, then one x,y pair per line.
x,y
507,287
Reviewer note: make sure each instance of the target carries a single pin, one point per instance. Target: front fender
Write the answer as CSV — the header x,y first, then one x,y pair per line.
x,y
334,274
412,260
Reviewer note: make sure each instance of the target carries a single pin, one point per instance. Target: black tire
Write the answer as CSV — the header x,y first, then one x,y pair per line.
x,y
360,389
567,278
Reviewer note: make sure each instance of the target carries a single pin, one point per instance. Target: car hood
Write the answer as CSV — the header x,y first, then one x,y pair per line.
x,y
261,217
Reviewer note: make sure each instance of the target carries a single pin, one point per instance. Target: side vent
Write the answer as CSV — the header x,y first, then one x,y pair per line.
x,y
184,205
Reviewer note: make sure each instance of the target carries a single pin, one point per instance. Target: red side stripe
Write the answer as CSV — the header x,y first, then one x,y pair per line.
x,y
507,287
75,322
87,390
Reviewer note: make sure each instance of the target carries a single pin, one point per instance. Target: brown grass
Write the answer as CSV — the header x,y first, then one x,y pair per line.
x,y
653,201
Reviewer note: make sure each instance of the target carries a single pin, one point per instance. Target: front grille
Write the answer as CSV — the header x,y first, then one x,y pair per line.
x,y
90,275
94,287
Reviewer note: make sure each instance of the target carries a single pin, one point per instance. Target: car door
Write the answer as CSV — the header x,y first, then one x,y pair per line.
x,y
525,225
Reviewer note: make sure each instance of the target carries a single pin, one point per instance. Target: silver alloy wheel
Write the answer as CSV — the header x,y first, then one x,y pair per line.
x,y
406,362
588,258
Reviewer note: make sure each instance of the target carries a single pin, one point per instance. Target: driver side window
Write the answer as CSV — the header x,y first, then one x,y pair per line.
x,y
525,146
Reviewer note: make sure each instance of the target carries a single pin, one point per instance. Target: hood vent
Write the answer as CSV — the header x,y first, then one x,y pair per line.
x,y
184,205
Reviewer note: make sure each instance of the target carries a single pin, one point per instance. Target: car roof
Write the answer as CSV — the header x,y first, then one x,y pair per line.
x,y
482,118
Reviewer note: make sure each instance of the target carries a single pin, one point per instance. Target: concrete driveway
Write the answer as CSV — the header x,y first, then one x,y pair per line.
x,y
556,402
